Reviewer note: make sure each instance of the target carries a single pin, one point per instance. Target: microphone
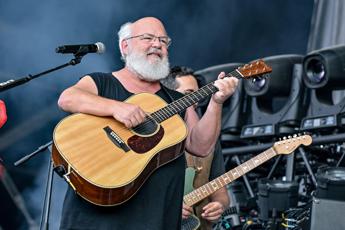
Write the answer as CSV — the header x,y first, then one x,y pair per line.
x,y
3,116
98,47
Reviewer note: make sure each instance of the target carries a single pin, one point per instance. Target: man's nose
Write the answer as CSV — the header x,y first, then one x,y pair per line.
x,y
156,42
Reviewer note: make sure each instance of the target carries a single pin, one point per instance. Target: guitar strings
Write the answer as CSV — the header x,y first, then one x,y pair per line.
x,y
170,108
177,106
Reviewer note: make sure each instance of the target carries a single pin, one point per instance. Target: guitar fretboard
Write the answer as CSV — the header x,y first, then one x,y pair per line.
x,y
188,100
204,191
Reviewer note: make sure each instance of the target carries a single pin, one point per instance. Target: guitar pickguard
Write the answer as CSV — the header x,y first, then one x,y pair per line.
x,y
141,144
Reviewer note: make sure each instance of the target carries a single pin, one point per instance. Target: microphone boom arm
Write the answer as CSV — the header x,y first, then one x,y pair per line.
x,y
13,83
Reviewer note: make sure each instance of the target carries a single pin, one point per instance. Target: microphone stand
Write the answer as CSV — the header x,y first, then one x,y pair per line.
x,y
13,83
47,197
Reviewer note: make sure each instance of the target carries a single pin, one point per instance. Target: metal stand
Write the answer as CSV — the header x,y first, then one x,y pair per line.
x,y
305,159
15,195
13,83
340,137
245,178
27,157
290,166
341,148
44,225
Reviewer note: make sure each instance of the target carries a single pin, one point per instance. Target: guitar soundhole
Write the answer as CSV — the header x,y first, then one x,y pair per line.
x,y
146,128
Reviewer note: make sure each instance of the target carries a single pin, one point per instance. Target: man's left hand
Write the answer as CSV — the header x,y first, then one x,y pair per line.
x,y
226,87
212,211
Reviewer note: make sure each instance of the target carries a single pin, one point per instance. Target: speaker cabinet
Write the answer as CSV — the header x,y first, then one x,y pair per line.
x,y
327,214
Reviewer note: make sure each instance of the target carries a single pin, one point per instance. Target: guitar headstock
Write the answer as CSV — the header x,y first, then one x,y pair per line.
x,y
288,145
254,69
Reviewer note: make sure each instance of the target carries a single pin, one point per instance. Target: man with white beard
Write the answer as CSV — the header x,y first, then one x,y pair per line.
x,y
158,203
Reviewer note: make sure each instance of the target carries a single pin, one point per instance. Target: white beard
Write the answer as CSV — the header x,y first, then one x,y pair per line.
x,y
147,70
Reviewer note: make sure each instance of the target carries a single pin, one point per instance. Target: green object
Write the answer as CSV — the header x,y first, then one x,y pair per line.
x,y
189,180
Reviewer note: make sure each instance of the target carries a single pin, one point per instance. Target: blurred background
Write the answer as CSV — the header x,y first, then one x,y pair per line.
x,y
204,34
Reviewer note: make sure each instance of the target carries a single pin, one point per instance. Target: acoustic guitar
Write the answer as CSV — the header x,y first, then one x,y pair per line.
x,y
286,146
107,163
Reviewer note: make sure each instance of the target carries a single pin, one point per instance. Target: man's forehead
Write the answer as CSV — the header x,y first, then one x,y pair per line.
x,y
149,26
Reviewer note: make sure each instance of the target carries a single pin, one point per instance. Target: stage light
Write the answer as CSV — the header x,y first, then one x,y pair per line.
x,y
324,74
278,101
325,68
234,109
278,83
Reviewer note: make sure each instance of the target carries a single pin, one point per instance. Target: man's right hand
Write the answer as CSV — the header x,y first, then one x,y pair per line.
x,y
128,114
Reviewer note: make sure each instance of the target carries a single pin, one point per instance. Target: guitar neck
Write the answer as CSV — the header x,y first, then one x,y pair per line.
x,y
188,100
206,190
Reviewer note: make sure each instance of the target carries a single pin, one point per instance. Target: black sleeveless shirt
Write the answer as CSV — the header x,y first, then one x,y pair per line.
x,y
158,203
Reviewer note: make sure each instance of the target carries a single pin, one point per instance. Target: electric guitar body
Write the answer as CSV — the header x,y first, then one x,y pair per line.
x,y
192,222
105,162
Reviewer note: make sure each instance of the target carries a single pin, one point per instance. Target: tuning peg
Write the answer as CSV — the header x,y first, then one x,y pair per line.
x,y
284,138
289,137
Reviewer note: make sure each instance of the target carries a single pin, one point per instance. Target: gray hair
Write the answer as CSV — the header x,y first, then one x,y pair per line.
x,y
124,32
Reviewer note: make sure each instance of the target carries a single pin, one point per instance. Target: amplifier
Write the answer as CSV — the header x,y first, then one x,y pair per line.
x,y
327,214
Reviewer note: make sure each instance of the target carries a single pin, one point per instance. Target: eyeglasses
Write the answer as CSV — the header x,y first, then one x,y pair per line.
x,y
164,40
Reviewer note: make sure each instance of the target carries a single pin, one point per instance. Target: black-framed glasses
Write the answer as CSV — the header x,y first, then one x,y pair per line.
x,y
164,40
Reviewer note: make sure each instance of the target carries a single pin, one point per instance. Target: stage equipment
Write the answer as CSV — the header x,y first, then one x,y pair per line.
x,y
16,198
324,74
235,108
327,214
329,199
44,223
85,49
278,101
330,183
98,47
275,197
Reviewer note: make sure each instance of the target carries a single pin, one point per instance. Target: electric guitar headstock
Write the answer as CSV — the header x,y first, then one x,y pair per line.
x,y
254,69
291,143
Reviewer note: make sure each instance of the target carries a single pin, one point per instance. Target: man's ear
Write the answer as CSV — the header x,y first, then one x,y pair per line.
x,y
124,47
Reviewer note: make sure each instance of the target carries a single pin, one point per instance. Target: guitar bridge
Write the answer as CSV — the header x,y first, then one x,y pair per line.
x,y
116,139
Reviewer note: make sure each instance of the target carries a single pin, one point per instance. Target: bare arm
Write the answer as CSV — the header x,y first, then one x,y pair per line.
x,y
204,132
83,98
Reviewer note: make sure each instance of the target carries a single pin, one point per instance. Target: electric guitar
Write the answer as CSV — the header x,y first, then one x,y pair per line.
x,y
286,146
107,163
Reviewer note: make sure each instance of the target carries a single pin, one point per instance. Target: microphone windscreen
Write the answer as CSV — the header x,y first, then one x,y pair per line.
x,y
100,47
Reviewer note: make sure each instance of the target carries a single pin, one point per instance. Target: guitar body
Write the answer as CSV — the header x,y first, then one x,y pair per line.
x,y
99,167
